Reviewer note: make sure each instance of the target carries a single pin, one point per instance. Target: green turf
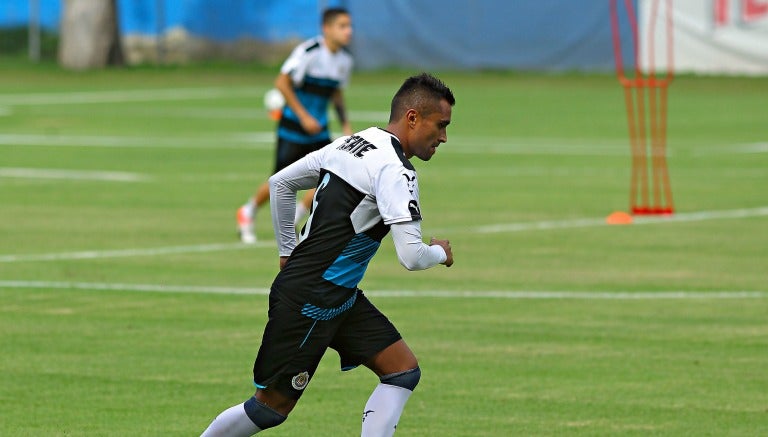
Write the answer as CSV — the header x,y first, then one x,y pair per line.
x,y
522,149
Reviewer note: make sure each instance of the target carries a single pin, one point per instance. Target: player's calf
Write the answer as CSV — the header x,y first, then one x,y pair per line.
x,y
244,420
263,416
384,407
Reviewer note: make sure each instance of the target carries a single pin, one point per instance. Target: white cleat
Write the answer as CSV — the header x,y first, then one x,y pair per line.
x,y
247,236
245,226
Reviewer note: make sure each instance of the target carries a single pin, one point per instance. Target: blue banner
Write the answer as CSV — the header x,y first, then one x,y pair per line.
x,y
545,35
475,34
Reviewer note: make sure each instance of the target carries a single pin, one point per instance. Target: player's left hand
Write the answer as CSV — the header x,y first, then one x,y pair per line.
x,y
446,245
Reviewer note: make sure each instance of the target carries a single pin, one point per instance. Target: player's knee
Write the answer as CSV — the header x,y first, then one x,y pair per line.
x,y
261,415
408,379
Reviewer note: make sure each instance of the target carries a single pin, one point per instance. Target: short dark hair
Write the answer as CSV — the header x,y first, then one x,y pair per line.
x,y
330,14
419,92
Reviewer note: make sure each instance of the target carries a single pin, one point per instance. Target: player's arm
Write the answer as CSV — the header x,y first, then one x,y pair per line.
x,y
284,84
283,185
413,253
397,199
341,111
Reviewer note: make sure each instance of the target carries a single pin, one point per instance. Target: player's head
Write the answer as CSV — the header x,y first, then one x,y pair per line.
x,y
422,109
337,27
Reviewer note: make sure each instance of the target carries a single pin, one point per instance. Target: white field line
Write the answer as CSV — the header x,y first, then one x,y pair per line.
x,y
266,139
263,140
500,294
538,146
252,140
49,173
747,148
163,288
488,145
488,229
640,220
97,254
119,96
207,113
157,94
378,117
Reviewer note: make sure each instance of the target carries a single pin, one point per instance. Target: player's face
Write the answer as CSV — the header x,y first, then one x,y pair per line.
x,y
430,131
339,31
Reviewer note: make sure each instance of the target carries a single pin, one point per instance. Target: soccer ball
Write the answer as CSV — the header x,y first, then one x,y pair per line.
x,y
274,102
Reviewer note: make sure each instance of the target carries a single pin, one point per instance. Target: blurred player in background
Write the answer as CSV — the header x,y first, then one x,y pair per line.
x,y
366,188
313,75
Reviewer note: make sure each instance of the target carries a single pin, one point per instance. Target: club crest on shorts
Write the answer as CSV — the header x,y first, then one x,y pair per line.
x,y
300,381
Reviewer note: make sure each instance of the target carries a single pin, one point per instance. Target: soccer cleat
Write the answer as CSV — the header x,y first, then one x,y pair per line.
x,y
245,226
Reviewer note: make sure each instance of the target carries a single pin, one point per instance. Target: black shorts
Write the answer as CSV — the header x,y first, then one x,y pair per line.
x,y
289,152
294,343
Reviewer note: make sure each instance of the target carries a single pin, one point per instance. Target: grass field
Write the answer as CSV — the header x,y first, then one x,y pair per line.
x,y
127,307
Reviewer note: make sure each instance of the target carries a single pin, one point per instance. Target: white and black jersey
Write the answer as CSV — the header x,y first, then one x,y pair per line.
x,y
316,73
364,184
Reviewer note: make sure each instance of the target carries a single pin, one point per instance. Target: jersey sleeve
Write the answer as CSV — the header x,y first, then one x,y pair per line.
x,y
283,185
349,65
412,253
296,65
397,194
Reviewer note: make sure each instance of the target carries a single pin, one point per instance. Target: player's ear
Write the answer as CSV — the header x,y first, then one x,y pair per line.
x,y
412,116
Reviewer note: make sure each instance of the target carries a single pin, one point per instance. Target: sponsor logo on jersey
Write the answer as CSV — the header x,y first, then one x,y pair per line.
x,y
411,181
300,381
413,207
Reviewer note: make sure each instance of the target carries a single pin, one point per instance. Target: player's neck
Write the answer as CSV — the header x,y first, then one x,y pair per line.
x,y
333,48
399,132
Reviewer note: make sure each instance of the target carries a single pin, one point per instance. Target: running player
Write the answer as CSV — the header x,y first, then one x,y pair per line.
x,y
312,76
366,187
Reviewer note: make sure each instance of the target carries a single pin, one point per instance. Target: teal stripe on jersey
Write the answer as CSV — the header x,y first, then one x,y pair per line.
x,y
349,267
331,84
315,105
298,138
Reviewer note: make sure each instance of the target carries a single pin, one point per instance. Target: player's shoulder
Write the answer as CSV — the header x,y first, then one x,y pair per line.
x,y
378,138
346,55
373,134
363,144
310,45
388,150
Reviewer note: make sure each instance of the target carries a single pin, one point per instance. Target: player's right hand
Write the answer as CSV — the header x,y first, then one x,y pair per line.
x,y
446,245
310,124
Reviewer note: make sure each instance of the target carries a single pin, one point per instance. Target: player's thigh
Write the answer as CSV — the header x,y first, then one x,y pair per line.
x,y
291,348
395,358
364,333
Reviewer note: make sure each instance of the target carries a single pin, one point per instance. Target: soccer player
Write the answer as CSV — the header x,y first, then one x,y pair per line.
x,y
366,187
312,76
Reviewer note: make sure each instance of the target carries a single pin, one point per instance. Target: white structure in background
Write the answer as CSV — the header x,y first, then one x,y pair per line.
x,y
709,36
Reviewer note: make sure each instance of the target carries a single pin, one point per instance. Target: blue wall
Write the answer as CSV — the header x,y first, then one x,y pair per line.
x,y
530,34
14,13
466,34
221,20
225,20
